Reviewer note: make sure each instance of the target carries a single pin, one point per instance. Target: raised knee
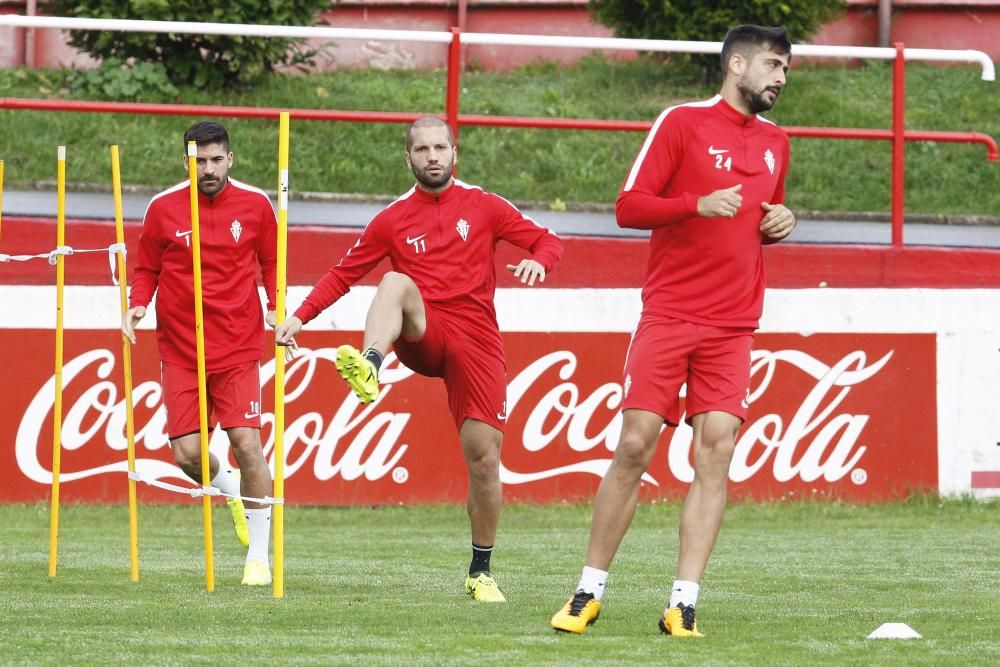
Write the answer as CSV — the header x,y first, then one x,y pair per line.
x,y
396,282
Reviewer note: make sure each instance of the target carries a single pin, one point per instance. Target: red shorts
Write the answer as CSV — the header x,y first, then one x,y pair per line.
x,y
233,397
665,353
469,357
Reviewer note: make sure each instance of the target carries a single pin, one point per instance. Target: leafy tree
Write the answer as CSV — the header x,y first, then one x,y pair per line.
x,y
201,60
709,20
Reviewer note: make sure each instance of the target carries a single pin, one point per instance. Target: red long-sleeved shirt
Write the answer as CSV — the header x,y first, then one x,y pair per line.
x,y
238,231
705,270
445,243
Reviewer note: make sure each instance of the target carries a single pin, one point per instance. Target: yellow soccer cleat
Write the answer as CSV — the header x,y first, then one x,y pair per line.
x,y
483,588
256,573
360,373
239,519
679,621
580,611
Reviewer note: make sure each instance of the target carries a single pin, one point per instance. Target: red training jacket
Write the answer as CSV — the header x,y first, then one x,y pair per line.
x,y
705,270
238,231
445,243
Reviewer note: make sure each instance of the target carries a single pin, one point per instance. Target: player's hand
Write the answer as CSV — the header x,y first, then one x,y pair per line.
x,y
778,222
721,203
130,319
284,333
528,270
291,347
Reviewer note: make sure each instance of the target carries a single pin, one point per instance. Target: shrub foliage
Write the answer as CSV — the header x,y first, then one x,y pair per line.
x,y
709,20
198,59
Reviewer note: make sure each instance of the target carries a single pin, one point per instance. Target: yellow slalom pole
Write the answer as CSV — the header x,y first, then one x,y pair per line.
x,y
57,408
133,513
199,334
279,361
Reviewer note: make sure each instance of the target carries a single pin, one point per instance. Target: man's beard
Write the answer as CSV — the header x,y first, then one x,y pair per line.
x,y
210,190
434,181
755,101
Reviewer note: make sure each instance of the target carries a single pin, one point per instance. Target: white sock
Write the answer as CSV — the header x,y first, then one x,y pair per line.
x,y
684,592
259,523
228,481
593,581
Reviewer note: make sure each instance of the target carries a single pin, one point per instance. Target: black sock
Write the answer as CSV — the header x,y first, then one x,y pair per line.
x,y
374,356
480,559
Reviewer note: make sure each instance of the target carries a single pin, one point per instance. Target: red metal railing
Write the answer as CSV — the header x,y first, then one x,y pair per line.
x,y
897,134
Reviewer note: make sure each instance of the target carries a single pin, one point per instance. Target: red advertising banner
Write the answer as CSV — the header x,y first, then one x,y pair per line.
x,y
848,416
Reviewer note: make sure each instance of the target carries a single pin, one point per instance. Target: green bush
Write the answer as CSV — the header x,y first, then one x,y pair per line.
x,y
201,60
709,20
115,80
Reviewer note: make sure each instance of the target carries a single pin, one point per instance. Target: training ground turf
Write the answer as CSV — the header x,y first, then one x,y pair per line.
x,y
795,584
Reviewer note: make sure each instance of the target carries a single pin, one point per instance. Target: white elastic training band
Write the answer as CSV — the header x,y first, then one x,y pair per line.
x,y
24,258
69,250
113,249
197,492
60,250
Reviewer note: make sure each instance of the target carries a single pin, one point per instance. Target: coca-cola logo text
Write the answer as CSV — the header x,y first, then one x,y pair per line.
x,y
814,440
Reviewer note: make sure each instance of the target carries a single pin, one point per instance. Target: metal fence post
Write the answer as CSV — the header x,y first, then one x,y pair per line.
x,y
898,143
454,77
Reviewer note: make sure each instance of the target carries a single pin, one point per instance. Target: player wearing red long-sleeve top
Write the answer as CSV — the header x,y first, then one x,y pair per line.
x,y
444,242
708,270
436,310
709,181
238,233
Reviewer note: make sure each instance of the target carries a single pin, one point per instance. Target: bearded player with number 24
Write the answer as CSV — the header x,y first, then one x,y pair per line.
x,y
709,181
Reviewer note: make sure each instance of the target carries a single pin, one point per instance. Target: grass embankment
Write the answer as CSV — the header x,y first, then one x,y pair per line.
x,y
536,165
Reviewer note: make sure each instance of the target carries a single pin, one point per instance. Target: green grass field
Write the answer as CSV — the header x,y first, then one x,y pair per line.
x,y
789,584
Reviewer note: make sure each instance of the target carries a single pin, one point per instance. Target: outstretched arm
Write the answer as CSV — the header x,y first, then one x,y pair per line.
x,y
514,227
528,271
368,251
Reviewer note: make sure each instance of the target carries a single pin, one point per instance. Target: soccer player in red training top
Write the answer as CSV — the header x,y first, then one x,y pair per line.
x,y
709,182
436,309
238,231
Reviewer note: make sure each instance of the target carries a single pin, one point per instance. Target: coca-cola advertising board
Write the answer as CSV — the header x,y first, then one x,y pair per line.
x,y
833,415
875,374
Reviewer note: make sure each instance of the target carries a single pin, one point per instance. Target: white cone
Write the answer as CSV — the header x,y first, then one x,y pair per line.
x,y
895,631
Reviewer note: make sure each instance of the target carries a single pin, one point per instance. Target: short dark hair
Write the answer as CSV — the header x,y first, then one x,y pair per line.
x,y
207,132
427,121
749,39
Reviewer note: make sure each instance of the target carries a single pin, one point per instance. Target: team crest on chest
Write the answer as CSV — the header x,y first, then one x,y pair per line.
x,y
769,160
236,229
463,228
